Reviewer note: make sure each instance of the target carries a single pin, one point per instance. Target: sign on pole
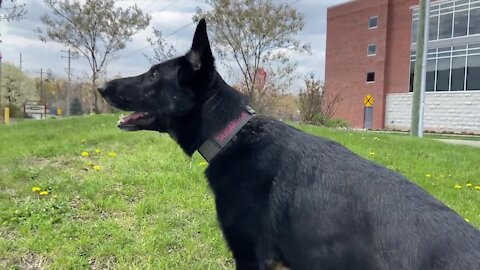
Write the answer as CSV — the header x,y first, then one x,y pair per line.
x,y
368,101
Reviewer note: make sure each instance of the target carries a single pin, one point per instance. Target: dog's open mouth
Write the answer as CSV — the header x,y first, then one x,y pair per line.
x,y
135,121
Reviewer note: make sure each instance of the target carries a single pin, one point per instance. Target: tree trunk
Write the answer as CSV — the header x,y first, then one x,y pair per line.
x,y
95,93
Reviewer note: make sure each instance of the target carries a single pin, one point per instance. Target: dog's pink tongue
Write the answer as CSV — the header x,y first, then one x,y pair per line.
x,y
133,116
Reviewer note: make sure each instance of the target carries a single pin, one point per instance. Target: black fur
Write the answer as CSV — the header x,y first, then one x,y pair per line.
x,y
285,196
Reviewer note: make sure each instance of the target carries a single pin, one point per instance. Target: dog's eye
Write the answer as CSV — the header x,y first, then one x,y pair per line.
x,y
155,74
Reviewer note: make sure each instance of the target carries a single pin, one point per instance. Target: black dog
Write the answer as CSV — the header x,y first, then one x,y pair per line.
x,y
283,196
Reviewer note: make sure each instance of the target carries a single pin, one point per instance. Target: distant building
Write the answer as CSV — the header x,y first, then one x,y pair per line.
x,y
371,51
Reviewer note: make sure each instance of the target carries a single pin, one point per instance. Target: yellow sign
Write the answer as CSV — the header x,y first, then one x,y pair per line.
x,y
368,101
59,111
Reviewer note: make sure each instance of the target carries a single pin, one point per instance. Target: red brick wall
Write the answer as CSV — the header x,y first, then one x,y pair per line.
x,y
346,55
347,63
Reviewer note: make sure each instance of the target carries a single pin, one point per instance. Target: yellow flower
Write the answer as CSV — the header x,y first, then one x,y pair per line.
x,y
469,185
36,189
97,168
112,154
428,175
457,186
43,193
477,187
85,154
372,154
98,151
467,220
203,163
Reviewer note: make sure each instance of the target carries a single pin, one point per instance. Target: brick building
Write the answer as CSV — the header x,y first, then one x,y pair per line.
x,y
371,51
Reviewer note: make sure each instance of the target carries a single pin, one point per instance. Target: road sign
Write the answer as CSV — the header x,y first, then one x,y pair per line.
x,y
35,111
368,101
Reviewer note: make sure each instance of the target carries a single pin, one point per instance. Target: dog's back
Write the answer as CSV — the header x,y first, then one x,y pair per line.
x,y
324,206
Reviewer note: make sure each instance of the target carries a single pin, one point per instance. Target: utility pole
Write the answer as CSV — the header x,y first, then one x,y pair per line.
x,y
21,62
69,56
419,82
42,98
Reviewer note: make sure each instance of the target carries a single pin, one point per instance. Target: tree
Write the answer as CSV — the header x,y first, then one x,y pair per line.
x,y
315,105
161,49
76,107
96,29
16,86
254,34
14,11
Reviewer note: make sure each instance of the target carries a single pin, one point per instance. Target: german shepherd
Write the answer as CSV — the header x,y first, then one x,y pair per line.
x,y
286,197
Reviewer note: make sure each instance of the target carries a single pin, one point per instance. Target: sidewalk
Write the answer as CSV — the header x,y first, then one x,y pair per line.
x,y
461,142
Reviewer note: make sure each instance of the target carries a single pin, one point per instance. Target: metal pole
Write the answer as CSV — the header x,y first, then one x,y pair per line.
x,y
21,62
421,116
420,70
69,56
69,82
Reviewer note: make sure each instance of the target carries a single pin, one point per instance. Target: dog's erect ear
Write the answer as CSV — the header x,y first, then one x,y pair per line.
x,y
200,55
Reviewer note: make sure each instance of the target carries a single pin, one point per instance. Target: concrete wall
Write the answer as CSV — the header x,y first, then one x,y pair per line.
x,y
453,112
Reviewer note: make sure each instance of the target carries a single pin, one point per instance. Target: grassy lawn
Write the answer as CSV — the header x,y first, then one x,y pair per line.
x,y
137,202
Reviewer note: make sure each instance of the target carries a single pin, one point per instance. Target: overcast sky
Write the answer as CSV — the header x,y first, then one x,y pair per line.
x,y
167,15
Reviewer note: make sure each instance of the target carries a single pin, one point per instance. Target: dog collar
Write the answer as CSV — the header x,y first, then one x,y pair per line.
x,y
210,148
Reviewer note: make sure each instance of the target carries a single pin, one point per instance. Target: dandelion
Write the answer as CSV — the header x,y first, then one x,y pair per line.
x,y
97,168
372,154
467,220
112,154
36,189
98,151
477,187
203,163
85,154
457,186
428,175
469,185
43,193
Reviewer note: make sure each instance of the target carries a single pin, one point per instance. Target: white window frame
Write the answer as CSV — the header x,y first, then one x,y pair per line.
x,y
368,49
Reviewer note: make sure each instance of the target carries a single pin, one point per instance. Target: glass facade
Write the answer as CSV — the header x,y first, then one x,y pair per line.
x,y
451,19
454,68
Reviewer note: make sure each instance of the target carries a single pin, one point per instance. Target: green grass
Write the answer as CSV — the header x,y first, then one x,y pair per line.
x,y
147,208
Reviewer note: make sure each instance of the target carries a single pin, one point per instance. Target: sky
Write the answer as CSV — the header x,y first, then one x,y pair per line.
x,y
169,16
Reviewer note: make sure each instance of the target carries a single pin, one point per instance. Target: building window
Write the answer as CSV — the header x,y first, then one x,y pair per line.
x,y
451,19
473,72
372,50
433,28
454,68
373,22
370,77
460,24
474,21
445,26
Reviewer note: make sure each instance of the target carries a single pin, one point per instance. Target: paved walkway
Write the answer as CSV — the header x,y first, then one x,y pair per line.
x,y
461,142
